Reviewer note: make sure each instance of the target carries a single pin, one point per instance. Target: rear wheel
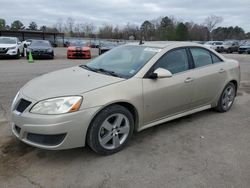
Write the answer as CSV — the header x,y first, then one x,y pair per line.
x,y
111,130
227,98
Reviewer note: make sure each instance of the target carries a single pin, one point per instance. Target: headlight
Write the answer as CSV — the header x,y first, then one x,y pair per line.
x,y
12,48
49,50
58,105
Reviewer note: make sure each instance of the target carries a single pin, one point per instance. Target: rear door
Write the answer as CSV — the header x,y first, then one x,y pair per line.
x,y
167,96
209,76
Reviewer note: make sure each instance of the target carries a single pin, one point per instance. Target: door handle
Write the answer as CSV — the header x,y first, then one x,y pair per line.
x,y
188,80
221,70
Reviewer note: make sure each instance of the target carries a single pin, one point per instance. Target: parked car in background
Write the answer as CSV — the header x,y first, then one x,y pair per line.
x,y
11,47
245,48
53,44
78,49
216,45
94,44
26,43
106,46
40,49
130,88
231,46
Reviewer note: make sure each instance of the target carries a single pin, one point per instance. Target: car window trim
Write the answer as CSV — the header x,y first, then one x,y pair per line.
x,y
178,48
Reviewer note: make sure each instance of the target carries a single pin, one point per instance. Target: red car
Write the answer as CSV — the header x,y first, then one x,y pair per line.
x,y
77,50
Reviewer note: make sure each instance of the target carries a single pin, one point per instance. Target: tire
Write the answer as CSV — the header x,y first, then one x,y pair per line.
x,y
110,130
227,98
18,55
23,53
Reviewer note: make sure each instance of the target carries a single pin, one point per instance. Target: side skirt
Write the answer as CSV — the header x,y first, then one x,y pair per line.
x,y
175,117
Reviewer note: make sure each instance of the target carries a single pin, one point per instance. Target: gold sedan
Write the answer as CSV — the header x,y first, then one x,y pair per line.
x,y
130,88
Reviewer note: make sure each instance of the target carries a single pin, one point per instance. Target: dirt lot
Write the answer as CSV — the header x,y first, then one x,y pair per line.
x,y
207,149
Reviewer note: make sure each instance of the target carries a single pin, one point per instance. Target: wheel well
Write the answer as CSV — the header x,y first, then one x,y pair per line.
x,y
132,109
235,84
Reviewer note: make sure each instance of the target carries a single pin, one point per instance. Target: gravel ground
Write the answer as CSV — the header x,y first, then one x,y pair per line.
x,y
207,149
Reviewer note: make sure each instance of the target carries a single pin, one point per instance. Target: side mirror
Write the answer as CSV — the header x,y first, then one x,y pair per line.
x,y
19,43
160,73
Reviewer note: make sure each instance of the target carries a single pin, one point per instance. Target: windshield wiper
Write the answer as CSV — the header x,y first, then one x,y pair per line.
x,y
100,70
88,68
112,73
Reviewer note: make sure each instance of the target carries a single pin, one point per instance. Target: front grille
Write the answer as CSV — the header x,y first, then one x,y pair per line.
x,y
48,140
3,50
22,105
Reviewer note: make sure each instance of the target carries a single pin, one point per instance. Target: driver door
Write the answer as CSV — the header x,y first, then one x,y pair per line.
x,y
164,97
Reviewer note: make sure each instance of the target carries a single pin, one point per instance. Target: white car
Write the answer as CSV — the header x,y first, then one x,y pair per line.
x,y
215,45
11,46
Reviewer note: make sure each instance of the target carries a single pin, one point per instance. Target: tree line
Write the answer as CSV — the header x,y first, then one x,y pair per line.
x,y
163,28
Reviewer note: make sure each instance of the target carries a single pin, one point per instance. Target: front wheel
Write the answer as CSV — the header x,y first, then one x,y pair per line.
x,y
227,98
110,130
18,55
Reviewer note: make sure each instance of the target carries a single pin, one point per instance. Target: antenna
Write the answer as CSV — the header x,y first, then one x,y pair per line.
x,y
141,42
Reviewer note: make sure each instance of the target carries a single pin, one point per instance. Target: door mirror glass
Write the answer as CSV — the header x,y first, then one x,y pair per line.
x,y
19,43
162,73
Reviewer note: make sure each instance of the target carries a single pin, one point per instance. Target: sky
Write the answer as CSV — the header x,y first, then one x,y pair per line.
x,y
121,12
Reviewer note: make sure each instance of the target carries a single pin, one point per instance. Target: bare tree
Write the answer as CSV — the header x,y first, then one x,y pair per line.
x,y
88,29
59,25
69,26
211,22
106,31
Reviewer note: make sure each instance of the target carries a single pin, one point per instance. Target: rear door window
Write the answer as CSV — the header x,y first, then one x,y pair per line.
x,y
201,57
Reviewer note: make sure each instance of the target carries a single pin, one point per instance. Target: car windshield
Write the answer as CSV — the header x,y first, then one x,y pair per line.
x,y
108,45
228,43
40,43
123,61
78,43
247,43
209,43
7,41
218,43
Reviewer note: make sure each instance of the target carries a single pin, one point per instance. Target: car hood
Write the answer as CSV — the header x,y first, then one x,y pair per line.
x,y
7,45
70,81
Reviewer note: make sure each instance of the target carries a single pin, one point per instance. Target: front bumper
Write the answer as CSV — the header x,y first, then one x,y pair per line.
x,y
8,52
41,54
78,54
52,132
244,50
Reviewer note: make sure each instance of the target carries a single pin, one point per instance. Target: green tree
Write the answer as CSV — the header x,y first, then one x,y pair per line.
x,y
181,32
33,26
2,23
17,25
167,29
147,29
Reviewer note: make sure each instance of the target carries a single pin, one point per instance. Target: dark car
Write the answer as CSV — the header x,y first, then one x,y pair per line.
x,y
245,48
94,44
104,47
231,46
40,49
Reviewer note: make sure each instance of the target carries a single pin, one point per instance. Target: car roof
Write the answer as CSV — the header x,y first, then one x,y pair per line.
x,y
164,44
